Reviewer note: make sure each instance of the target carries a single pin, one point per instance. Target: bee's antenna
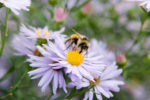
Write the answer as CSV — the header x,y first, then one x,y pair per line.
x,y
74,30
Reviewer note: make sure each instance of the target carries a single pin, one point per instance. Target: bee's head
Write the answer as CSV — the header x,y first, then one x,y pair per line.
x,y
75,35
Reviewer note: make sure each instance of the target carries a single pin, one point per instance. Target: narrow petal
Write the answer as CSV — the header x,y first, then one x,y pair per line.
x,y
101,90
86,96
45,78
37,71
48,81
90,95
55,82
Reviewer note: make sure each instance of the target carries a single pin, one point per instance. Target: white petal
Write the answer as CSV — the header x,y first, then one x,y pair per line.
x,y
90,95
86,96
98,94
103,92
112,74
48,81
45,78
39,70
37,76
55,82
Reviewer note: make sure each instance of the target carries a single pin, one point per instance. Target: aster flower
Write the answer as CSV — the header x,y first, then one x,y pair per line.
x,y
75,63
101,49
103,86
23,45
16,5
48,69
144,3
35,33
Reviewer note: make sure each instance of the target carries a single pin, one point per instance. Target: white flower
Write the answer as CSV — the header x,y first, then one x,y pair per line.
x,y
144,3
101,49
108,82
26,41
23,45
47,69
35,33
74,62
16,5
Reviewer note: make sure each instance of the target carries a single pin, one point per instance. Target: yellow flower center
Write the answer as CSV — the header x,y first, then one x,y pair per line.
x,y
74,57
40,31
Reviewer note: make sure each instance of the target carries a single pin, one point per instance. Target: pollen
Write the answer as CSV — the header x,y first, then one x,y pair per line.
x,y
46,32
74,57
38,31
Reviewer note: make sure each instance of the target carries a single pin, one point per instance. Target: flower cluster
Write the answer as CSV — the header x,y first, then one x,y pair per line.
x,y
75,65
54,62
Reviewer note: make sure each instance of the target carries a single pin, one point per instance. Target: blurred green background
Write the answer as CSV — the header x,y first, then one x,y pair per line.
x,y
123,25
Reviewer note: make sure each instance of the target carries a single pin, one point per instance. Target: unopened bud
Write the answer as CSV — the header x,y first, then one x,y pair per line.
x,y
121,59
60,14
52,2
87,8
10,94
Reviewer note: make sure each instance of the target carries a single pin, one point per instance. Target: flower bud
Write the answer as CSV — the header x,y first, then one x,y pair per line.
x,y
121,59
87,8
52,2
60,14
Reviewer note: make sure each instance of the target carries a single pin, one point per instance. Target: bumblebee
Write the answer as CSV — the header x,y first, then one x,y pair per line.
x,y
78,41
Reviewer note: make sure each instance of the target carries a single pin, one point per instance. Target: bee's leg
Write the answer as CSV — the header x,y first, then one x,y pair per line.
x,y
81,50
74,47
70,44
67,40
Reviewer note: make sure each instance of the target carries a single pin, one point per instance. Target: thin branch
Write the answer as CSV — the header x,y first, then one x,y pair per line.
x,y
5,33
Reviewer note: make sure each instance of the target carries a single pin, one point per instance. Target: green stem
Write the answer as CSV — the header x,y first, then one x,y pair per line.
x,y
138,38
7,74
0,37
135,42
12,89
79,93
5,33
